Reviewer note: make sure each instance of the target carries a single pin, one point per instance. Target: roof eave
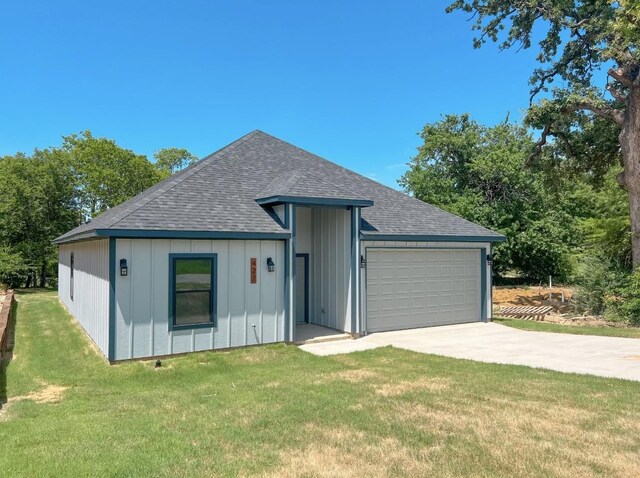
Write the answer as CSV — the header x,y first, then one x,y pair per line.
x,y
314,201
169,234
431,238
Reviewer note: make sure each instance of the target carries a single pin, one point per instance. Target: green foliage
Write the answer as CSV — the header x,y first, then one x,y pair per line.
x,y
593,123
628,301
106,174
480,173
12,268
46,194
171,160
598,278
577,36
37,203
608,230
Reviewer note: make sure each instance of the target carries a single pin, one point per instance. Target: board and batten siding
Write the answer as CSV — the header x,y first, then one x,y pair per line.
x,y
486,246
330,264
142,297
90,304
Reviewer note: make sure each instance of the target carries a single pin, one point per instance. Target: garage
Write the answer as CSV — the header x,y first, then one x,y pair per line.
x,y
422,287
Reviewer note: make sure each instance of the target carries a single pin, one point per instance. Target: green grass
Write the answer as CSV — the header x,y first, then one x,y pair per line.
x,y
277,411
631,332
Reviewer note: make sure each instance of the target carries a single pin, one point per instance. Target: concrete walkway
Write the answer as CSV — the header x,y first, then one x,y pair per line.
x,y
587,354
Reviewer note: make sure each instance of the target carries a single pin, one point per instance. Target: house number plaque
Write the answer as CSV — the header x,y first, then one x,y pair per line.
x,y
254,270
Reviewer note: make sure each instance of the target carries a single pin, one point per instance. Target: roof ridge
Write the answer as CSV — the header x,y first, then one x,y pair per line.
x,y
182,175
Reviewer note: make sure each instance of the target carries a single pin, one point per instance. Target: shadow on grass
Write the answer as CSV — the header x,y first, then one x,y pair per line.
x,y
8,353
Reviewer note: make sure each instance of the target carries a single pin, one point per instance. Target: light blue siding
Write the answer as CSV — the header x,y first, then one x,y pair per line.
x,y
142,298
330,266
90,304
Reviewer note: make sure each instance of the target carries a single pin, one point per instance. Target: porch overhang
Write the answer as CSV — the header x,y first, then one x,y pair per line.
x,y
314,201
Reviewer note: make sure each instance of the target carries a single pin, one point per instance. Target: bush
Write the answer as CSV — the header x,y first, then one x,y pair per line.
x,y
12,268
627,300
599,281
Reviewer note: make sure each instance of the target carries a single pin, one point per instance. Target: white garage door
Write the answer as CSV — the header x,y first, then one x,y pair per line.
x,y
409,288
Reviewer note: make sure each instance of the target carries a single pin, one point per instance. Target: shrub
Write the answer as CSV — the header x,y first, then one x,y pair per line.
x,y
599,280
12,268
628,299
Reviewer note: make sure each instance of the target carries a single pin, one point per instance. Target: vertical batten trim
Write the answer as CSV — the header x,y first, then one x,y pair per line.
x,y
229,315
130,281
352,275
151,301
490,296
483,284
111,354
292,262
260,290
287,274
244,293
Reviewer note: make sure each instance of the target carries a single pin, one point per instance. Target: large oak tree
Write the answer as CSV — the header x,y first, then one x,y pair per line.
x,y
578,40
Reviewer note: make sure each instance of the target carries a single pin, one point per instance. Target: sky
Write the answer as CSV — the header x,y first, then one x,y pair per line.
x,y
351,81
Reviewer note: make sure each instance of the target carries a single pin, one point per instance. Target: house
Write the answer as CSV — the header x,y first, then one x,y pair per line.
x,y
259,238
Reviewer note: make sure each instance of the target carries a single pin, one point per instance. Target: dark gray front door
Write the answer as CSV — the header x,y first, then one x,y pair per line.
x,y
302,288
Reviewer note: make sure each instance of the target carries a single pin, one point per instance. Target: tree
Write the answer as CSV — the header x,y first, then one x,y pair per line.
x,y
105,173
172,160
480,173
37,204
581,37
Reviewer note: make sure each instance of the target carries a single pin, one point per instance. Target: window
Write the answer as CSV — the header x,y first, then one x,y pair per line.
x,y
71,266
193,287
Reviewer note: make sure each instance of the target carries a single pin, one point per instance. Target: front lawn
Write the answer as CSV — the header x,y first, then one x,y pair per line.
x,y
536,326
276,410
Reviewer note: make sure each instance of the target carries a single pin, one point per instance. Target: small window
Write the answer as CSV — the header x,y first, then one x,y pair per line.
x,y
193,290
71,266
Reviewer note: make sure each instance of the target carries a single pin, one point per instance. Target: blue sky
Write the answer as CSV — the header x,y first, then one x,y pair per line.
x,y
351,81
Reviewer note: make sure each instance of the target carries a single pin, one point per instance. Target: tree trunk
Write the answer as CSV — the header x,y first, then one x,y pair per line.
x,y
630,148
43,275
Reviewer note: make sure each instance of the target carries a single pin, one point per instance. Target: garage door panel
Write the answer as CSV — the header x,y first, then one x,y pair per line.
x,y
408,288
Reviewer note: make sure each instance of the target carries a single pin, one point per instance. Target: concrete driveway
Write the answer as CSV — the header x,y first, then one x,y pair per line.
x,y
594,355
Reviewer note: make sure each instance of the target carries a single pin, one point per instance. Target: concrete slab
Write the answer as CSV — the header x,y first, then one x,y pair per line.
x,y
312,333
495,343
340,347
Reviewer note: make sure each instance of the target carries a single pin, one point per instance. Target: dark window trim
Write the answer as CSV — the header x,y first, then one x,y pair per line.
x,y
213,311
72,265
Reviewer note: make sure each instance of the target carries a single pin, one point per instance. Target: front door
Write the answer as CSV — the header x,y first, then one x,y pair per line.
x,y
302,288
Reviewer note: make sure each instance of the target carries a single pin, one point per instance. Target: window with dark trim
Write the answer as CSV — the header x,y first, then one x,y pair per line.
x,y
71,267
193,290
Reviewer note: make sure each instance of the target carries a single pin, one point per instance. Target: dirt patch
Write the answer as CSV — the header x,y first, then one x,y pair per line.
x,y
533,296
49,393
392,389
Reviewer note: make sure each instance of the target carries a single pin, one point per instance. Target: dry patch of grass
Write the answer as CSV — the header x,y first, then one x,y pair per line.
x,y
354,375
49,393
348,453
256,354
428,384
531,438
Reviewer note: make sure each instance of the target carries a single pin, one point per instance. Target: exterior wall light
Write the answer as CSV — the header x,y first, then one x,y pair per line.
x,y
490,260
363,262
271,266
124,270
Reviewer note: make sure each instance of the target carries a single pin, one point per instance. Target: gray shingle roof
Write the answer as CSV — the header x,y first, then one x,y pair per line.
x,y
218,193
303,184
